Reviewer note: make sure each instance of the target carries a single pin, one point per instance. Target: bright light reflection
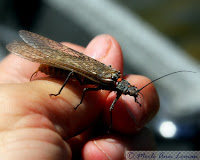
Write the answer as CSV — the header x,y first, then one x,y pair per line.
x,y
168,129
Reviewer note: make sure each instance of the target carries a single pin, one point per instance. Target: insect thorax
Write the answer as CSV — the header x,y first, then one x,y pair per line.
x,y
126,88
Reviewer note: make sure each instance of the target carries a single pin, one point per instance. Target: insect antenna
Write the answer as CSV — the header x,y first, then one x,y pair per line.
x,y
162,77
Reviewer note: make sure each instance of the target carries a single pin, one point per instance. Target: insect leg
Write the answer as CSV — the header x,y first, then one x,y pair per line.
x,y
136,99
112,106
63,84
85,90
34,74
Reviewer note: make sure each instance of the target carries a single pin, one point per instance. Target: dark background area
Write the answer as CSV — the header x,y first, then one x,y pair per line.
x,y
176,20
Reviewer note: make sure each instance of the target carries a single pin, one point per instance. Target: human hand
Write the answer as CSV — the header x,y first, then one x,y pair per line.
x,y
35,126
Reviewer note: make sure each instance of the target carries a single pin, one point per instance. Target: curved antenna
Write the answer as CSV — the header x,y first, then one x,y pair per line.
x,y
163,77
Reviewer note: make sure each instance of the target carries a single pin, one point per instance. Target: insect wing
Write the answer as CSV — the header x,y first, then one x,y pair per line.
x,y
23,50
46,45
43,50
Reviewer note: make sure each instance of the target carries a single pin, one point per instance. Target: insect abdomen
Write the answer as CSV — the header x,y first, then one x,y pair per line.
x,y
53,71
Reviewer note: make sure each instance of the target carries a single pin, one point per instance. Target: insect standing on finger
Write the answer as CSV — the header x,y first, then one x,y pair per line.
x,y
61,61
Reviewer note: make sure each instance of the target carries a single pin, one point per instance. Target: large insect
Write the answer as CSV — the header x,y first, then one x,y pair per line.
x,y
61,61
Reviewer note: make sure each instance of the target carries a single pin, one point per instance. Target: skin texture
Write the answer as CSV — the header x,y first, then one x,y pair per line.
x,y
36,126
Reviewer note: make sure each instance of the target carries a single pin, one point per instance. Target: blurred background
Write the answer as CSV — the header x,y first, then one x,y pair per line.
x,y
157,37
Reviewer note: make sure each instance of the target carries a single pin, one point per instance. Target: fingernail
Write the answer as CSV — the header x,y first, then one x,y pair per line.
x,y
110,140
99,47
110,147
132,110
135,111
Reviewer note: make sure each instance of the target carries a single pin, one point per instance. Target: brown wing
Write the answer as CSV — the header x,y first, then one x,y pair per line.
x,y
45,51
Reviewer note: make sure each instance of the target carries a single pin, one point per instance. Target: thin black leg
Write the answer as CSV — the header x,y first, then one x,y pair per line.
x,y
85,90
63,84
112,106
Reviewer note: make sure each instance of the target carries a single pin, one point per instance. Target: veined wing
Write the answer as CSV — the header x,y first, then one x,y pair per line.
x,y
45,51
45,44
